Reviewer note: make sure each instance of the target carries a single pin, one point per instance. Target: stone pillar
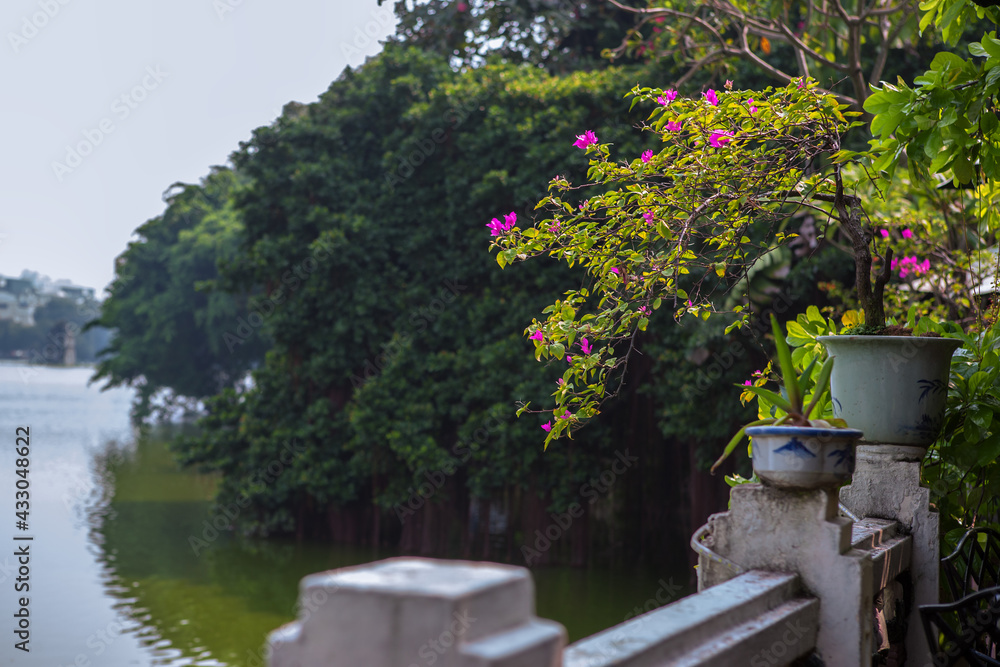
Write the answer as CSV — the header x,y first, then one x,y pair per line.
x,y
886,484
411,612
799,531
69,350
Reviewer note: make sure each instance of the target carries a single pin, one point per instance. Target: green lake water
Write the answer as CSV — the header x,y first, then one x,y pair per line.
x,y
114,579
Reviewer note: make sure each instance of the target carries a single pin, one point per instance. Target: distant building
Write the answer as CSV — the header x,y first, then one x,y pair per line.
x,y
76,293
18,300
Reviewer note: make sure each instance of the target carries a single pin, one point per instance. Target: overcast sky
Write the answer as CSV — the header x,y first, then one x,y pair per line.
x,y
108,102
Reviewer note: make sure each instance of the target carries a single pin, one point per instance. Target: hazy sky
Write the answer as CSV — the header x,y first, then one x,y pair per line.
x,y
108,102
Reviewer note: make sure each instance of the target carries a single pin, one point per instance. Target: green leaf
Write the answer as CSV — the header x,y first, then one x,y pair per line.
x,y
946,60
822,385
797,335
771,397
964,172
736,439
988,449
787,368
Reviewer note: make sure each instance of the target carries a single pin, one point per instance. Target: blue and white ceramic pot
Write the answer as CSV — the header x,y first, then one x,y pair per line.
x,y
893,388
798,457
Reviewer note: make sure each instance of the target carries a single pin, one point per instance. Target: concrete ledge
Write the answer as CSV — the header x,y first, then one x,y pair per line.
x,y
538,643
415,611
722,618
776,639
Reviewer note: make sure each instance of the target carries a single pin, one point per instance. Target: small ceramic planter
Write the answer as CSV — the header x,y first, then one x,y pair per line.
x,y
797,457
893,388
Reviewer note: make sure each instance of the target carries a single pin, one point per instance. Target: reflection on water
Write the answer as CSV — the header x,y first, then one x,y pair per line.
x,y
119,574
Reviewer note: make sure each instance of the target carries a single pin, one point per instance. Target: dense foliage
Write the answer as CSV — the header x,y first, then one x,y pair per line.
x,y
174,336
397,348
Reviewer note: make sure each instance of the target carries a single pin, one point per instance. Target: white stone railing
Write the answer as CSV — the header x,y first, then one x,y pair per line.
x,y
781,575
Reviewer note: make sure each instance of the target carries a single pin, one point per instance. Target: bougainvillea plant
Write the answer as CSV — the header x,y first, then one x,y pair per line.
x,y
672,226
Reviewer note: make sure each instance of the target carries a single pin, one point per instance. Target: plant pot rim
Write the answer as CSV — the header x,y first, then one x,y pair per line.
x,y
875,338
811,431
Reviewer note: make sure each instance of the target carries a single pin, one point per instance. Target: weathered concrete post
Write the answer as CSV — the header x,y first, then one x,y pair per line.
x,y
886,484
801,532
411,612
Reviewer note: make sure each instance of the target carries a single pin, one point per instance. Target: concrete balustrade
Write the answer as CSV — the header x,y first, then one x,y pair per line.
x,y
409,612
781,576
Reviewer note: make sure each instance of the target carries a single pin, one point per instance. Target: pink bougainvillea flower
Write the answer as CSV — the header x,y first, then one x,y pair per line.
x,y
910,264
566,416
614,269
588,138
647,156
729,84
585,346
720,137
497,228
644,310
569,360
667,97
884,233
461,7
747,383
711,97
907,234
538,335
547,426
673,126
753,109
648,217
554,228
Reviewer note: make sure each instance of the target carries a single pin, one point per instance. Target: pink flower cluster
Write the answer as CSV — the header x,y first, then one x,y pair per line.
x,y
497,228
667,97
720,137
588,138
909,265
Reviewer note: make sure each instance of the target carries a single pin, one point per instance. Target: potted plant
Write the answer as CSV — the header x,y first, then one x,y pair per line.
x,y
673,225
790,449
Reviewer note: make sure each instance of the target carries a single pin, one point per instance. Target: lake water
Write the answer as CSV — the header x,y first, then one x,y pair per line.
x,y
113,578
